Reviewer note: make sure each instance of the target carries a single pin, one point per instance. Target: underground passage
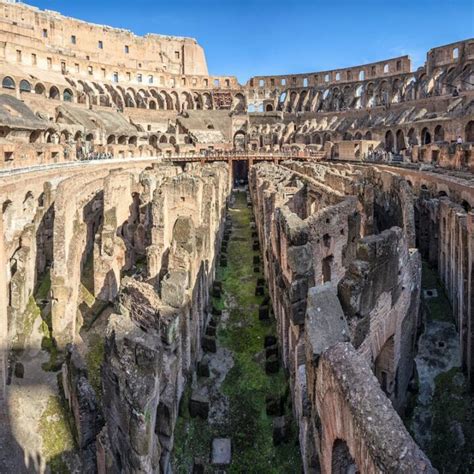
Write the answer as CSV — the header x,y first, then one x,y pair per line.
x,y
203,275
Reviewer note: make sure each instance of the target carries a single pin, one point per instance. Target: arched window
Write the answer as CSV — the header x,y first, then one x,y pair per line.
x,y
54,93
425,136
67,95
389,142
25,86
439,133
39,89
8,83
470,131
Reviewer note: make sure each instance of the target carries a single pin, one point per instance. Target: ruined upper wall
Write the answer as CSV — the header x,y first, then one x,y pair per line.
x,y
48,31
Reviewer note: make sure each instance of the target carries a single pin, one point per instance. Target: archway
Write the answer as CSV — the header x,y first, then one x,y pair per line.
x,y
384,367
439,133
470,131
389,141
240,171
425,136
400,140
240,141
8,83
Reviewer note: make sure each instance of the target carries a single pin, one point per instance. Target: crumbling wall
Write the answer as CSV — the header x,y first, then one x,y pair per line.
x,y
314,243
154,340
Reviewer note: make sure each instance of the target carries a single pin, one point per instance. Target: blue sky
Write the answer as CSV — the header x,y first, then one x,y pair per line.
x,y
257,37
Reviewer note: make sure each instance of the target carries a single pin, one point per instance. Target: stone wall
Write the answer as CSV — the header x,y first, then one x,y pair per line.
x,y
154,340
317,259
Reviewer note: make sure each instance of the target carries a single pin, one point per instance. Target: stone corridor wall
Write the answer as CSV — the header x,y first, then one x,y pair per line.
x,y
326,268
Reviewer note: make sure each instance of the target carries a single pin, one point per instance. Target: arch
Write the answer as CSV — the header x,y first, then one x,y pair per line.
x,y
54,93
269,108
152,105
384,367
341,460
439,133
25,86
400,138
358,136
469,131
35,136
368,135
111,140
425,136
239,140
133,141
8,83
389,141
412,138
67,95
163,139
40,89
122,140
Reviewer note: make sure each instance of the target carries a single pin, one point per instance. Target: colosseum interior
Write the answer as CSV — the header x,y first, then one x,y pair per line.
x,y
205,276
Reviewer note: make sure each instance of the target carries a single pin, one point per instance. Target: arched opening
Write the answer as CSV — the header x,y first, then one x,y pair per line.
x,y
25,86
412,139
467,207
122,140
368,135
67,95
35,136
327,268
8,83
239,141
342,462
439,133
384,367
39,89
269,108
400,140
389,142
470,131
152,105
425,136
111,140
133,141
54,93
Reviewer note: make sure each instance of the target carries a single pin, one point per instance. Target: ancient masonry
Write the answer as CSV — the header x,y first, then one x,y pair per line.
x,y
119,160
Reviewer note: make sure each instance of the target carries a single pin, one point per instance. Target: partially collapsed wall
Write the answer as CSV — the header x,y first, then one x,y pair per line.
x,y
337,275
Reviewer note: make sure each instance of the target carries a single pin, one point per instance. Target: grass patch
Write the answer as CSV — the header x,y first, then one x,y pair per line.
x,y
56,435
246,384
94,359
439,308
452,444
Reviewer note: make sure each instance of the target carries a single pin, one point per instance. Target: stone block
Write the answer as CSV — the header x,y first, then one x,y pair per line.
x,y
203,367
198,466
173,288
263,313
221,454
271,351
272,365
269,340
274,406
209,344
199,405
281,430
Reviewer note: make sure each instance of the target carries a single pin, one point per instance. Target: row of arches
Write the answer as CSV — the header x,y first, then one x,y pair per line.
x,y
375,93
112,95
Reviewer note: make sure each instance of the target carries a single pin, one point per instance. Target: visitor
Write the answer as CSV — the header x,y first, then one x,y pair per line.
x,y
459,140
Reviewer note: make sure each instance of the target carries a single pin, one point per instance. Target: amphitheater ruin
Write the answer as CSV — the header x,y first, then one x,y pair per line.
x,y
204,276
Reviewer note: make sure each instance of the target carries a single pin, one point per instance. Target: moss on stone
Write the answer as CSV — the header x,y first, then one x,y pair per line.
x,y
439,308
56,435
94,359
246,385
452,443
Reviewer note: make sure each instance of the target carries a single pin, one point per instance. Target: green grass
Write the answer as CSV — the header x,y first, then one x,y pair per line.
x,y
246,384
94,359
439,308
452,405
